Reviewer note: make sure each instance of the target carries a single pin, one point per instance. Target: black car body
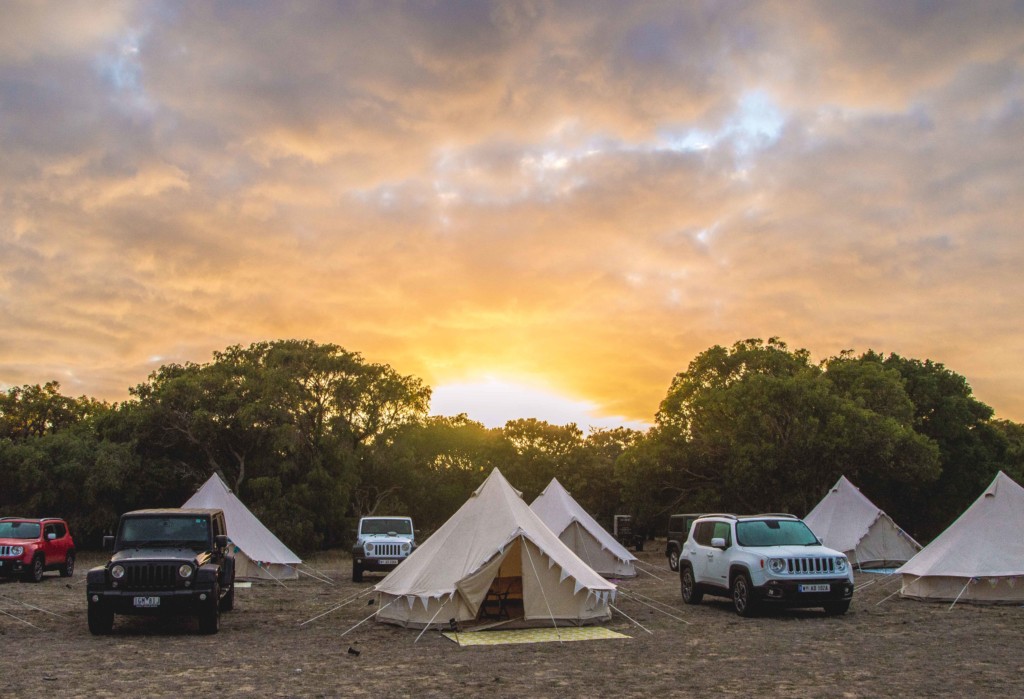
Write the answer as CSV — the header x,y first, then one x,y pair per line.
x,y
164,561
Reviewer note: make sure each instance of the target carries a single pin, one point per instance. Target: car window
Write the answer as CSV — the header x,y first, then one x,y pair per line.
x,y
383,526
19,530
771,532
703,532
61,530
722,531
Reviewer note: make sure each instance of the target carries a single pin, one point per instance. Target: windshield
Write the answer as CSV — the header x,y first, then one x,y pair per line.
x,y
164,531
19,530
774,532
385,526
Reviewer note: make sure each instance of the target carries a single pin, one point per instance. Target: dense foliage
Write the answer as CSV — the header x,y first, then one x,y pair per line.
x,y
312,436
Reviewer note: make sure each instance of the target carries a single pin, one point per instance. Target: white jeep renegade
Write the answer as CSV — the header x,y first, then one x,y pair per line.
x,y
763,559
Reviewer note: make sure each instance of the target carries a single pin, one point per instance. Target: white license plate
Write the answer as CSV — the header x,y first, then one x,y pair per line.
x,y
388,561
147,602
816,588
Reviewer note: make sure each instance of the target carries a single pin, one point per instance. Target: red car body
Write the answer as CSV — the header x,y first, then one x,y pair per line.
x,y
29,547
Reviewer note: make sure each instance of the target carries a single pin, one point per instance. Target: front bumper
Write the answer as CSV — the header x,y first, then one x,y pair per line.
x,y
791,593
9,567
169,601
377,565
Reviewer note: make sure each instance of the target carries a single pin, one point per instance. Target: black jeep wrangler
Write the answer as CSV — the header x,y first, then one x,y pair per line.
x,y
167,561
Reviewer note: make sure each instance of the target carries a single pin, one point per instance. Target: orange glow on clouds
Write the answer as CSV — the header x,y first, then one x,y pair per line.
x,y
493,402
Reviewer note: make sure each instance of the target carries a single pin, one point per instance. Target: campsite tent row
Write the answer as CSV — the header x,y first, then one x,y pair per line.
x,y
979,558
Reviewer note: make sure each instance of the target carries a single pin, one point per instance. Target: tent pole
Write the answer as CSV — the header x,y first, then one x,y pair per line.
x,y
334,609
371,616
630,618
431,620
958,596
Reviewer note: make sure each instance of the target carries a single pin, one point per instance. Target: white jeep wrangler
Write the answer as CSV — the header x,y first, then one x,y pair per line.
x,y
381,544
763,559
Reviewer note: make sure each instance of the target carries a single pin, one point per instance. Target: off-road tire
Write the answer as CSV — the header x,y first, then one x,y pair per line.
x,y
837,608
688,586
68,569
743,600
34,572
209,616
357,572
673,559
227,602
101,621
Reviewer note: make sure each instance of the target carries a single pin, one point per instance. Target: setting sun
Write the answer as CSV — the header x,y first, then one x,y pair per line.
x,y
494,401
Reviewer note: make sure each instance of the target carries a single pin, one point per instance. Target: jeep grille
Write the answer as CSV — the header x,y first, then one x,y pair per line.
x,y
150,576
387,550
811,565
6,550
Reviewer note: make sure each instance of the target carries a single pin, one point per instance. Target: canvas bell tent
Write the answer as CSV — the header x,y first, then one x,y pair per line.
x,y
581,532
980,557
846,520
258,553
494,558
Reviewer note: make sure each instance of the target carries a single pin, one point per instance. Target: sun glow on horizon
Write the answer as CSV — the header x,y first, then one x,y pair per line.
x,y
493,402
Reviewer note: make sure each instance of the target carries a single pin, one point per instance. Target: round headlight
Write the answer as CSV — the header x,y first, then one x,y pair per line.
x,y
17,550
185,570
777,565
117,572
405,547
369,549
841,564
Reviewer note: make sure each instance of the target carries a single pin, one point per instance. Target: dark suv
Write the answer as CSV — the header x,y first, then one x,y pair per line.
x,y
678,530
28,547
168,561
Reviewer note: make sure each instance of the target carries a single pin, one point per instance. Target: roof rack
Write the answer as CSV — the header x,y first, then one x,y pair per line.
x,y
719,514
774,514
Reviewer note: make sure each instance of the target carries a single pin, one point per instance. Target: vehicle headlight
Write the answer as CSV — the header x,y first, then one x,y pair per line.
x,y
117,572
841,564
369,549
405,547
185,570
17,550
777,565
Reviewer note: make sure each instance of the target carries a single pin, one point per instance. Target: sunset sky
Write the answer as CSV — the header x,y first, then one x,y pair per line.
x,y
540,209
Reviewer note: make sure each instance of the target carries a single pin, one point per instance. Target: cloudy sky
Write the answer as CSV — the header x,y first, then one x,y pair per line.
x,y
552,205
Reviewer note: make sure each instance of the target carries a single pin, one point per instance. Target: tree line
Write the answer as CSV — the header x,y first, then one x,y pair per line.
x,y
312,436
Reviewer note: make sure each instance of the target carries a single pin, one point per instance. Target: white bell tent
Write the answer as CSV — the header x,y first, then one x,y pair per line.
x,y
581,532
258,553
494,556
846,520
980,556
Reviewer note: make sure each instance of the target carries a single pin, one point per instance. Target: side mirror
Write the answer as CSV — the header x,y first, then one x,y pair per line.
x,y
221,541
108,543
51,536
718,543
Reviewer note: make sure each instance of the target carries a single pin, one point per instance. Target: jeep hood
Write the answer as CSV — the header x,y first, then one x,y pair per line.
x,y
795,551
159,554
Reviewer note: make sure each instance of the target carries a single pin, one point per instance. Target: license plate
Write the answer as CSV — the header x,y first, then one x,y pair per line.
x,y
147,602
388,561
816,588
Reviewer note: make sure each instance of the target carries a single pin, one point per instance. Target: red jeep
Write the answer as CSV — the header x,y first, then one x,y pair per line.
x,y
30,546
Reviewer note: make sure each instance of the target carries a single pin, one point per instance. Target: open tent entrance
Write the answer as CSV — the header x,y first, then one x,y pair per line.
x,y
499,585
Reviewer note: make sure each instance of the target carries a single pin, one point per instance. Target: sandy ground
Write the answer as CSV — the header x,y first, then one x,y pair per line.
x,y
882,647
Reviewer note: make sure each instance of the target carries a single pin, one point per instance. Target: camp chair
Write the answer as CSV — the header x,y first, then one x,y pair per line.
x,y
495,604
